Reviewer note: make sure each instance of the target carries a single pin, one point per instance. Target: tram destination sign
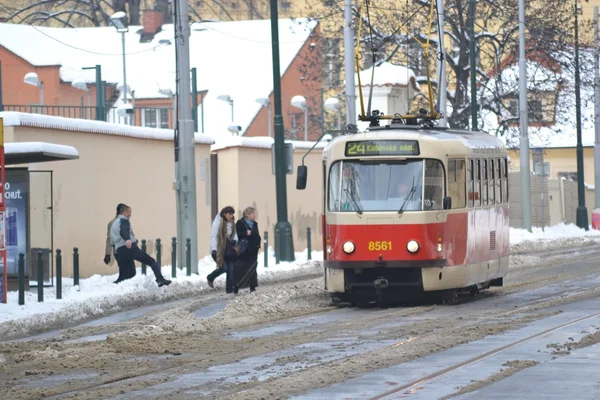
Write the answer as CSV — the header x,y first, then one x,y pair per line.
x,y
382,148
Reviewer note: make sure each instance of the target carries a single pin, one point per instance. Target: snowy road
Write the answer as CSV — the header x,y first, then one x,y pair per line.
x,y
287,341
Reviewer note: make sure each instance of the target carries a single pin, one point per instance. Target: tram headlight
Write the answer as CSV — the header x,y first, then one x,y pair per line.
x,y
412,246
348,247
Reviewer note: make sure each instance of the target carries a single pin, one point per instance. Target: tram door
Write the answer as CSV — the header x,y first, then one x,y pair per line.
x,y
41,226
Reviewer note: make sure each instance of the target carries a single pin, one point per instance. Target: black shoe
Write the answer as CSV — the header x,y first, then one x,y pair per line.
x,y
235,290
252,289
163,282
118,281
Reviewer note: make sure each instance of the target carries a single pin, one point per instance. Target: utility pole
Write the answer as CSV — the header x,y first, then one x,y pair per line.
x,y
523,119
186,179
349,64
473,68
582,217
284,244
442,95
597,108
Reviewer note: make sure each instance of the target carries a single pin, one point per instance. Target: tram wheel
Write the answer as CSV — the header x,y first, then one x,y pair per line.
x,y
449,297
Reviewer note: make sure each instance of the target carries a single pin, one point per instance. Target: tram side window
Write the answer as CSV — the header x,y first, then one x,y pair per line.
x,y
498,179
457,177
504,164
477,187
434,185
484,183
470,186
491,183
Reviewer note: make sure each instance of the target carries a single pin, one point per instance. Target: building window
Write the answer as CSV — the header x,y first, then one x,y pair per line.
x,y
513,108
286,5
156,118
164,118
534,110
199,3
149,118
570,176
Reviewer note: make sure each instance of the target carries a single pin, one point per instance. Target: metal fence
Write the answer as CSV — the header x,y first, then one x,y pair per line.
x,y
150,117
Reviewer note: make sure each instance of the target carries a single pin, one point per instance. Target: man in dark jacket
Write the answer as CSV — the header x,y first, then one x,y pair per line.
x,y
126,245
124,273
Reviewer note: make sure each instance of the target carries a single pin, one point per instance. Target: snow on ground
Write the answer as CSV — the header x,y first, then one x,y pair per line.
x,y
98,295
559,231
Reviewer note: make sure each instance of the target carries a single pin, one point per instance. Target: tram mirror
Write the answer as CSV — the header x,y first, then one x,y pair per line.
x,y
447,203
301,177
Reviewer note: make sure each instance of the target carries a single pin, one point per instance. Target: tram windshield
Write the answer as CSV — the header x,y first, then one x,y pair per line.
x,y
408,185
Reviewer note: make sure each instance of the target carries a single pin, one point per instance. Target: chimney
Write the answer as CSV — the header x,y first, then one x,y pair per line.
x,y
152,23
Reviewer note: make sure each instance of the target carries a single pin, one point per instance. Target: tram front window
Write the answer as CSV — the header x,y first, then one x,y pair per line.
x,y
359,186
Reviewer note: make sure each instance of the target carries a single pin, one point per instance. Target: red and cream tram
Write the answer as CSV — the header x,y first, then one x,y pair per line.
x,y
412,207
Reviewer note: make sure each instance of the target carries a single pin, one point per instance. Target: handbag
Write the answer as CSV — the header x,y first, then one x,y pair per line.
x,y
243,246
230,252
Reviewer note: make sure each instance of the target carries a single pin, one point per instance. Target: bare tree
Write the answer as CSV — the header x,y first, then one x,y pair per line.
x,y
549,40
80,13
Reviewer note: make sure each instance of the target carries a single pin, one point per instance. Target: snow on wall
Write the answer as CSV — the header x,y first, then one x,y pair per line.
x,y
41,147
90,126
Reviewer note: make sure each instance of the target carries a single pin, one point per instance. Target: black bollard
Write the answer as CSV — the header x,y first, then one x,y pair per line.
x,y
40,277
21,279
266,248
188,256
308,243
144,250
174,257
158,253
75,266
58,274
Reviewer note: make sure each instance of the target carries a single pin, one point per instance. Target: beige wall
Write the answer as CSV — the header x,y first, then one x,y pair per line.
x,y
112,169
561,160
245,179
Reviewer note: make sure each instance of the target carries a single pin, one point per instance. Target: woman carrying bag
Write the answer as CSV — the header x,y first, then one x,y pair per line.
x,y
223,246
250,241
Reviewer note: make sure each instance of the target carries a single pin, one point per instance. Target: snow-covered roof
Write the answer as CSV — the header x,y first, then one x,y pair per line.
x,y
262,142
89,126
28,152
232,58
387,74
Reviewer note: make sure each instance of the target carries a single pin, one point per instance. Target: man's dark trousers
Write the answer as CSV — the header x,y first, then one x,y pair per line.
x,y
127,257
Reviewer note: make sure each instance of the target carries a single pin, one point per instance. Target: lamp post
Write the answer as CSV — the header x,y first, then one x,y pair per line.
x,y
82,85
300,103
119,20
227,99
265,102
32,79
334,104
582,217
284,242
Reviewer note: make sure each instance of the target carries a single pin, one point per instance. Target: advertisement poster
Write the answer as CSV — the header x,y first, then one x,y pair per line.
x,y
16,193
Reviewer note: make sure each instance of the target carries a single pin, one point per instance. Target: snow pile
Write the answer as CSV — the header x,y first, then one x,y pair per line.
x,y
559,231
98,294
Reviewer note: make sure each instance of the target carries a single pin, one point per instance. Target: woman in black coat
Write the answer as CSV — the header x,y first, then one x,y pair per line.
x,y
245,270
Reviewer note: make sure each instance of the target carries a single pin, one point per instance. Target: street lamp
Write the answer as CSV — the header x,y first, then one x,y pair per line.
x,y
300,102
32,79
265,102
82,85
227,99
581,216
334,104
119,20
